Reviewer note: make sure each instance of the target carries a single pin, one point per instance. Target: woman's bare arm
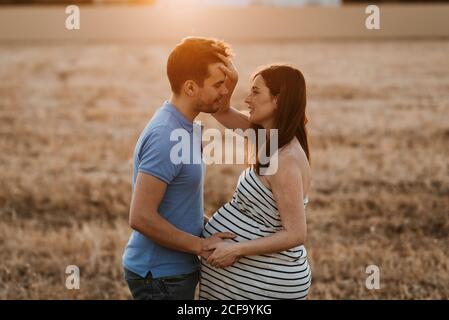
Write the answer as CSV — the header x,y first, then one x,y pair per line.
x,y
291,210
232,118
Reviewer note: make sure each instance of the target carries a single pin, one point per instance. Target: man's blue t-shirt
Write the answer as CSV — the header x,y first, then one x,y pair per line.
x,y
182,204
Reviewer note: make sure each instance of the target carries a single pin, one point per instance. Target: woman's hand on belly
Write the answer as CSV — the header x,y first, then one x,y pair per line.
x,y
212,240
224,254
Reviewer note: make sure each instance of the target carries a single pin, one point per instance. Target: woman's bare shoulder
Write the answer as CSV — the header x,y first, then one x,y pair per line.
x,y
292,151
292,159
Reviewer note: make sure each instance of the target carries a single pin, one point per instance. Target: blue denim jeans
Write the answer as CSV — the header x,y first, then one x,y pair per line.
x,y
179,287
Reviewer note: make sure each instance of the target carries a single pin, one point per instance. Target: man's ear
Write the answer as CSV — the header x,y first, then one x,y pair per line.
x,y
190,88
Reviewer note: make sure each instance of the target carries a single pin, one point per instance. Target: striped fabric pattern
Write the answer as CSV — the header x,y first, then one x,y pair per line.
x,y
252,214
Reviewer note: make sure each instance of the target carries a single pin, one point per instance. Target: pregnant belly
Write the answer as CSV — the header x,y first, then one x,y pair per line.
x,y
214,226
223,221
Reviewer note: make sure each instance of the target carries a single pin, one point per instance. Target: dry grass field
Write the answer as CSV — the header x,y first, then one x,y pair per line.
x,y
379,129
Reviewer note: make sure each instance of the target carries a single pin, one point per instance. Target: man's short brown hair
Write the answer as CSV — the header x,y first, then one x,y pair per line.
x,y
190,59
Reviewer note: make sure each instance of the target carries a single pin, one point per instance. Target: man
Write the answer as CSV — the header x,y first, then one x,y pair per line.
x,y
166,212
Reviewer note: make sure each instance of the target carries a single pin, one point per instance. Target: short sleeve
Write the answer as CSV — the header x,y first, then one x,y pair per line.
x,y
154,155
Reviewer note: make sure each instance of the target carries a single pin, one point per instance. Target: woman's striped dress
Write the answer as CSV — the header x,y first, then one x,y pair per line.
x,y
252,214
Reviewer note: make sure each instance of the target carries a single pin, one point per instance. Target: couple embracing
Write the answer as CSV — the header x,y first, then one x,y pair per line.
x,y
253,246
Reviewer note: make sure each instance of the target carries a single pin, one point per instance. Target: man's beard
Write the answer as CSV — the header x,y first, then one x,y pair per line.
x,y
209,107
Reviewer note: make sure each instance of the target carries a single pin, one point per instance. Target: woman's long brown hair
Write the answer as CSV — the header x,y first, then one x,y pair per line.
x,y
289,86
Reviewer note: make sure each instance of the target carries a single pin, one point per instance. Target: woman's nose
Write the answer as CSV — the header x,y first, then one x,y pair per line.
x,y
247,100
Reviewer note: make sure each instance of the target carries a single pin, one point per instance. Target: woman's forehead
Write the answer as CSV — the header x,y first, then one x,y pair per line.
x,y
258,81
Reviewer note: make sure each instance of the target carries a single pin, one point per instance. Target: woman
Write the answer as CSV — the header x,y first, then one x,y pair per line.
x,y
267,259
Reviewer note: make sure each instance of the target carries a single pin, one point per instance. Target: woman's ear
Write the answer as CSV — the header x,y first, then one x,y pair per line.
x,y
190,88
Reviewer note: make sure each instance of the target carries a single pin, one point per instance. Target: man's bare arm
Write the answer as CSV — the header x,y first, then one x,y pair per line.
x,y
145,218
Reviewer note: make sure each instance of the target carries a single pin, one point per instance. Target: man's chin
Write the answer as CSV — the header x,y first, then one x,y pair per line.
x,y
213,108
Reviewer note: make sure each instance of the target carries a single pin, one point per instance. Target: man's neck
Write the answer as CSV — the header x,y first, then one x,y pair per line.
x,y
184,107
